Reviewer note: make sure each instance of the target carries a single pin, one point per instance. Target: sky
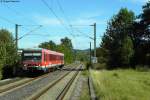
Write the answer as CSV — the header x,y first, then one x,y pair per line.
x,y
63,18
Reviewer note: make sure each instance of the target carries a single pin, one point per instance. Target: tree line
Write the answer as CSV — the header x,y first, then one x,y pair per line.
x,y
126,42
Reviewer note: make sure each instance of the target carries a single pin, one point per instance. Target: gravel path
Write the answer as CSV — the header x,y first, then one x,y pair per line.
x,y
31,88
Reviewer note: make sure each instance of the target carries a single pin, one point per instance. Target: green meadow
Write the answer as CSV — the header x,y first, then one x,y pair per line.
x,y
121,84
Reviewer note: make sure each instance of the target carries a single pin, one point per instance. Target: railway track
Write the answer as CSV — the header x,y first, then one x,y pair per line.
x,y
8,81
28,87
58,95
19,83
12,84
65,90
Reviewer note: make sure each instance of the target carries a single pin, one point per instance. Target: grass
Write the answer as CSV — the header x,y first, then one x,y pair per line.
x,y
85,92
122,84
85,73
85,89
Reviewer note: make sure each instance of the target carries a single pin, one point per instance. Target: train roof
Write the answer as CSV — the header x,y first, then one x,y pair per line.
x,y
45,50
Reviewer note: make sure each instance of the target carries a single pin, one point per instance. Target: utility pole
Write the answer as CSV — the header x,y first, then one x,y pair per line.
x,y
16,30
75,55
94,39
90,53
94,25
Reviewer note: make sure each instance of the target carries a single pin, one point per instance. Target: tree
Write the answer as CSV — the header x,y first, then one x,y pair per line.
x,y
66,42
116,43
141,37
7,40
48,45
2,58
127,51
8,50
66,48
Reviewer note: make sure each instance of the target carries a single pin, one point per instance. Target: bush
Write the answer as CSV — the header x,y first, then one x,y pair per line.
x,y
7,72
88,65
99,66
142,68
8,53
1,70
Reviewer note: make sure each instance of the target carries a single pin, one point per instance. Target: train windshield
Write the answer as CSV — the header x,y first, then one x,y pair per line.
x,y
32,56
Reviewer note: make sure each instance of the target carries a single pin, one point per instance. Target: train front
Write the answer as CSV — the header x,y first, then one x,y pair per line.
x,y
31,60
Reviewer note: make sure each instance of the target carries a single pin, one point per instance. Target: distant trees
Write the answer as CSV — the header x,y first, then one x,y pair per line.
x,y
8,51
48,45
64,47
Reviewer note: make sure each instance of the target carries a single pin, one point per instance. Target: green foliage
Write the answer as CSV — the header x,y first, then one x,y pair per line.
x,y
121,84
126,51
141,37
81,55
145,16
99,66
67,48
8,51
66,42
48,45
127,39
117,48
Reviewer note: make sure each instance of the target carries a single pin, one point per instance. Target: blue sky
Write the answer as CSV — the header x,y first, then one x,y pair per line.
x,y
78,12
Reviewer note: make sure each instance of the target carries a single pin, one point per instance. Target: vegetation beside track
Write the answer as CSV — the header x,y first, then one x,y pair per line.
x,y
121,84
85,88
8,54
85,92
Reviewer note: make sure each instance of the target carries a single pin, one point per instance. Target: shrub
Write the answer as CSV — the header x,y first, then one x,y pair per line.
x,y
142,68
99,66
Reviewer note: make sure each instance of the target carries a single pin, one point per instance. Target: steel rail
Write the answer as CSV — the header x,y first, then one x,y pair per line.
x,y
35,97
23,83
62,94
67,87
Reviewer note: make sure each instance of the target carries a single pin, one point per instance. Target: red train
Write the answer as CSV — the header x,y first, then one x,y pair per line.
x,y
41,59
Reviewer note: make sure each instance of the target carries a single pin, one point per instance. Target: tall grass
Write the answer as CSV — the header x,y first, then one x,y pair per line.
x,y
122,84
